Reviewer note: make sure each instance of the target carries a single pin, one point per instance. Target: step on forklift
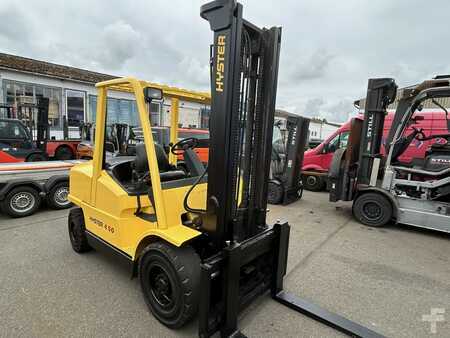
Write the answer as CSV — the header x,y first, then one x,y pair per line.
x,y
198,242
384,188
290,139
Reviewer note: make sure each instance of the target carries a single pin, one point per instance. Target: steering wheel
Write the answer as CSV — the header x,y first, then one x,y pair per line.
x,y
184,144
419,132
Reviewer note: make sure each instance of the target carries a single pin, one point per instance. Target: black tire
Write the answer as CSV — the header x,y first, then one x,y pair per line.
x,y
275,192
21,201
300,193
36,157
77,231
57,196
64,153
170,281
372,209
313,182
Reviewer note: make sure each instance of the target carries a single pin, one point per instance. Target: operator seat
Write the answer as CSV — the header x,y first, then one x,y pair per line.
x,y
166,171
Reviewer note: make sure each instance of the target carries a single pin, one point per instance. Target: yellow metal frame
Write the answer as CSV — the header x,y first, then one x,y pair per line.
x,y
174,117
108,210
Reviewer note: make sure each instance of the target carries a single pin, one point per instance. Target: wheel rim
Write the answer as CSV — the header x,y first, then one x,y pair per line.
x,y
22,202
311,180
161,287
372,210
60,196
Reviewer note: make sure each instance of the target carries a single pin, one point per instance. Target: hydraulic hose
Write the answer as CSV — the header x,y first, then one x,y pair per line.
x,y
185,201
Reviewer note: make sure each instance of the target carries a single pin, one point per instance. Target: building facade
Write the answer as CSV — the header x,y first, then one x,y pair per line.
x,y
320,129
73,96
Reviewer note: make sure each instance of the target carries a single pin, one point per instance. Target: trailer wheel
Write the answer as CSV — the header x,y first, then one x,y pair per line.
x,y
170,281
77,231
57,196
21,201
313,182
36,157
274,192
64,153
372,209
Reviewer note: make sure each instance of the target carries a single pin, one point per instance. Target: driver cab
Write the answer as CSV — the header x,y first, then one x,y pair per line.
x,y
132,173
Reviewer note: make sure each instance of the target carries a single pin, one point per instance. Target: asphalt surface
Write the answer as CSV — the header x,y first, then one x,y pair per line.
x,y
385,279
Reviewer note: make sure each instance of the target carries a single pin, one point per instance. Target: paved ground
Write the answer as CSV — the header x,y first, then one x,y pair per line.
x,y
383,278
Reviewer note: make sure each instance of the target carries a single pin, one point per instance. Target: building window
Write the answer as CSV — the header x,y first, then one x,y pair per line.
x,y
205,112
75,107
124,111
155,114
23,95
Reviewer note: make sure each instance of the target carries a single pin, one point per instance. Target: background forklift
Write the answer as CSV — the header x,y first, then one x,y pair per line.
x,y
25,135
16,135
289,142
416,193
198,241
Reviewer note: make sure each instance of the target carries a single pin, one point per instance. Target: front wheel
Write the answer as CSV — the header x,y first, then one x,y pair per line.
x,y
64,153
313,182
372,209
275,192
77,231
170,281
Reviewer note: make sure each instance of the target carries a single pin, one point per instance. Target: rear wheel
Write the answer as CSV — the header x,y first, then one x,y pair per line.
x,y
372,209
170,281
77,231
274,193
21,202
313,182
64,153
57,196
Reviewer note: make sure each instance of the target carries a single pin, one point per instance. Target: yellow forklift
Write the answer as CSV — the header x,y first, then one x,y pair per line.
x,y
198,239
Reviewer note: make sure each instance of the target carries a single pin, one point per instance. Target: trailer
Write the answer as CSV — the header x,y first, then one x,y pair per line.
x,y
25,186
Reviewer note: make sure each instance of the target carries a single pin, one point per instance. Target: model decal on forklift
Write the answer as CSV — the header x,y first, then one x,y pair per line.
x,y
102,225
220,62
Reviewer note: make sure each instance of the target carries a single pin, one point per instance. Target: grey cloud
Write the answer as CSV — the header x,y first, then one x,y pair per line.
x,y
119,43
328,51
313,67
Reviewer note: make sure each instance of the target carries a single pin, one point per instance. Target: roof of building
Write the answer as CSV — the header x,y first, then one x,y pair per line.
x,y
23,64
43,68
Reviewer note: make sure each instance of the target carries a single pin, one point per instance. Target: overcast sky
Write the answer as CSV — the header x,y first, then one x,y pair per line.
x,y
329,48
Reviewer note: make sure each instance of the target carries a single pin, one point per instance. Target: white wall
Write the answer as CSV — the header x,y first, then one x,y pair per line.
x,y
321,130
189,113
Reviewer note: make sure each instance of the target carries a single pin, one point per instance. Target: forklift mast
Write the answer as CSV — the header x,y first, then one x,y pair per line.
x,y
361,160
297,130
42,127
244,71
380,93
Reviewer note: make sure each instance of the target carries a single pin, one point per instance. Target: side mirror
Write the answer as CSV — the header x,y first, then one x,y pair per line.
x,y
151,93
109,147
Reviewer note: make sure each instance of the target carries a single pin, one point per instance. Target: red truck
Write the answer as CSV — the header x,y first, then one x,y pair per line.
x,y
317,161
